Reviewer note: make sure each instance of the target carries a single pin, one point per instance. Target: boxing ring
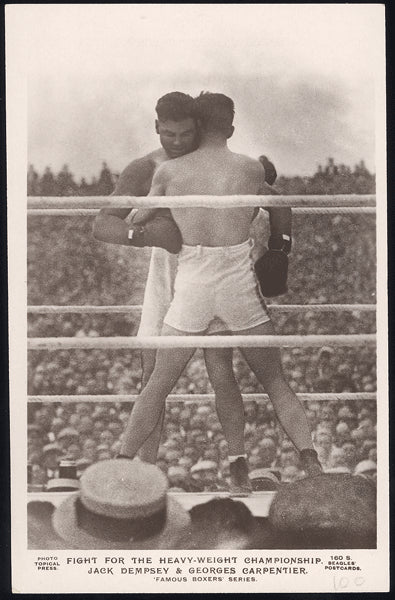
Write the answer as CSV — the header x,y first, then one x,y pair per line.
x,y
258,502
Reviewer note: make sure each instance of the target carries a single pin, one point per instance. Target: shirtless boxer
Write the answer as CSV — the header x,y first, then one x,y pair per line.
x,y
215,278
177,131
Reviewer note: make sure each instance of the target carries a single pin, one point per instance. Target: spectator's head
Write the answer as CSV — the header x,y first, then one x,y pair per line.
x,y
205,472
73,451
289,458
338,457
221,523
83,409
330,511
178,477
350,454
39,476
263,480
67,436
185,417
35,455
121,504
373,454
250,411
57,425
290,474
364,413
211,454
342,433
89,449
367,446
200,443
367,468
176,124
323,440
346,414
223,449
191,452
172,457
312,418
170,428
106,437
74,421
185,462
43,418
267,451
51,454
366,428
85,425
171,444
325,354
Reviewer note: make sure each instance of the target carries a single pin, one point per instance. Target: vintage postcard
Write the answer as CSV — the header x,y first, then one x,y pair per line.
x,y
197,292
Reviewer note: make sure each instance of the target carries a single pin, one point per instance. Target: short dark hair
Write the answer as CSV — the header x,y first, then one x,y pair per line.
x,y
175,106
214,111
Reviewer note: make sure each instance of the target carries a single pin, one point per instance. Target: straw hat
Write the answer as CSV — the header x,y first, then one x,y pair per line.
x,y
62,484
122,503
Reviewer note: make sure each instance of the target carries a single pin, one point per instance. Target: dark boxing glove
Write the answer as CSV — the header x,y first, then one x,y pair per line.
x,y
272,268
270,170
161,231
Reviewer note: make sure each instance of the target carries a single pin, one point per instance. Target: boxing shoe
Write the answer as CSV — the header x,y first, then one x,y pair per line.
x,y
240,485
310,463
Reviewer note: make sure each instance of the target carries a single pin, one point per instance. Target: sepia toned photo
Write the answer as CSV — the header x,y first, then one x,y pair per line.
x,y
198,321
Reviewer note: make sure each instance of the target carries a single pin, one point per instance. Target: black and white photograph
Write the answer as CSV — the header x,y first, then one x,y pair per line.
x,y
198,303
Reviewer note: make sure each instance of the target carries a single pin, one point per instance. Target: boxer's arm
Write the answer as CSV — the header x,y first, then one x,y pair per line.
x,y
109,225
280,218
159,181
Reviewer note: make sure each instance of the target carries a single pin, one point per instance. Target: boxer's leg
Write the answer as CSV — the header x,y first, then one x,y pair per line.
x,y
146,413
149,450
228,399
266,364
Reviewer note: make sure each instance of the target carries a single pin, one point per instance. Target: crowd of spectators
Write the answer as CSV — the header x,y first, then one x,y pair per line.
x,y
333,261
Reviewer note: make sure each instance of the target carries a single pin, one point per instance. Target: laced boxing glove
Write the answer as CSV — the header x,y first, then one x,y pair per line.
x,y
160,231
272,267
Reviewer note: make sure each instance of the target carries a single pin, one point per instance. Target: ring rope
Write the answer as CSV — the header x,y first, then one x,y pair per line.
x,y
194,398
200,341
314,210
131,308
40,202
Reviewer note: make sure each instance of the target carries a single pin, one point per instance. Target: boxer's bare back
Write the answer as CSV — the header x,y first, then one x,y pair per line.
x,y
217,172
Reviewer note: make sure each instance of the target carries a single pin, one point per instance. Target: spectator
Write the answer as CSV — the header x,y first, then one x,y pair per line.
x,y
122,504
40,533
367,468
204,477
331,511
221,523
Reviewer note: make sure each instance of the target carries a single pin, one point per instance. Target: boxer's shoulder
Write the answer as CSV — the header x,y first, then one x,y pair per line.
x,y
136,178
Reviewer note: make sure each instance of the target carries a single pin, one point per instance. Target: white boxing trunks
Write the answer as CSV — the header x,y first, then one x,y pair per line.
x,y
159,292
216,282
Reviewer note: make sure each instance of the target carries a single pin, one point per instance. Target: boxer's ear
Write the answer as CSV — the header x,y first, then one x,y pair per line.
x,y
156,125
231,131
